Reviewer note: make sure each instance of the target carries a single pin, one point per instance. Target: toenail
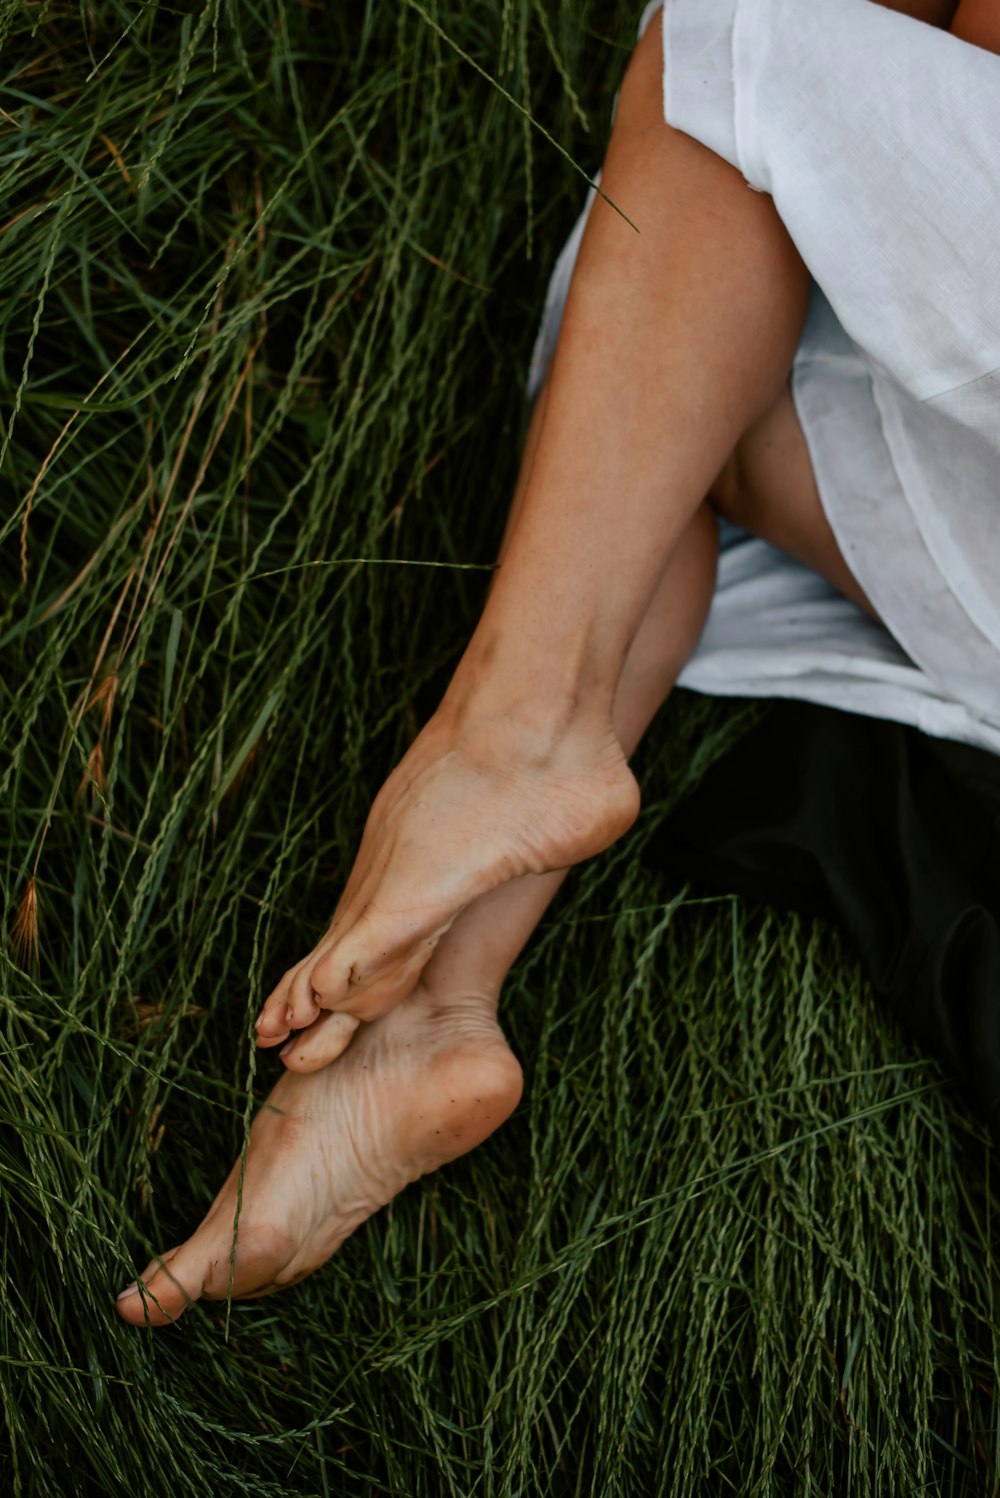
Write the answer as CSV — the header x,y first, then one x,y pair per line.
x,y
129,1290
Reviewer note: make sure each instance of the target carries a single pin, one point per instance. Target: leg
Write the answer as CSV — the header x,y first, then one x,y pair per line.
x,y
672,344
429,1080
767,485
934,12
381,1098
978,22
768,488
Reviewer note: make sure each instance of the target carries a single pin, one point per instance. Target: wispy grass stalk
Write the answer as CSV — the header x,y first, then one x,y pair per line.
x,y
265,312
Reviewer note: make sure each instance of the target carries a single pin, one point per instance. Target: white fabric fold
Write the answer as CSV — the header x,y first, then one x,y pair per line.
x,y
877,136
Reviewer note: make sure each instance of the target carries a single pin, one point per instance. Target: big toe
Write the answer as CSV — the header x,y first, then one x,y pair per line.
x,y
382,969
166,1287
204,1268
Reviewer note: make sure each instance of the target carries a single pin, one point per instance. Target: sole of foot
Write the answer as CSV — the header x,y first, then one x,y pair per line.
x,y
417,1089
450,824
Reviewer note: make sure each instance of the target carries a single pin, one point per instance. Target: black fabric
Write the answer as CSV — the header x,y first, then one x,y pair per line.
x,y
896,834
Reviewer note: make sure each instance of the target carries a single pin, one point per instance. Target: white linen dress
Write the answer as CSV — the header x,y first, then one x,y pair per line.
x,y
879,139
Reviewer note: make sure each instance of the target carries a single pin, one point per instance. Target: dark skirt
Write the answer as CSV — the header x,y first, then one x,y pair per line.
x,y
891,832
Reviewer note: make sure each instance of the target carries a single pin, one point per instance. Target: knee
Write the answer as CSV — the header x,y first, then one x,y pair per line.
x,y
640,100
729,495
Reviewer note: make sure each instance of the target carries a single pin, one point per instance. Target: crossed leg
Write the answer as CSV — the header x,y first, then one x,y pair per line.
x,y
432,1075
520,770
428,1080
594,611
672,344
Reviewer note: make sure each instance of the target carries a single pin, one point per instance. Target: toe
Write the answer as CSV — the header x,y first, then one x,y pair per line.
x,y
266,1041
272,1024
166,1287
204,1268
322,1043
367,985
302,1007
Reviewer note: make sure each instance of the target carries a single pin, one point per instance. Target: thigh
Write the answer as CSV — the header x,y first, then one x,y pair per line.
x,y
935,12
978,22
768,488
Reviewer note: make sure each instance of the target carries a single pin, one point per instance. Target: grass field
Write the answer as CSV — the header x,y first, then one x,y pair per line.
x,y
270,273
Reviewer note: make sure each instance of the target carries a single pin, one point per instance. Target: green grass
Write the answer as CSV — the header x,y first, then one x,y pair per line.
x,y
269,275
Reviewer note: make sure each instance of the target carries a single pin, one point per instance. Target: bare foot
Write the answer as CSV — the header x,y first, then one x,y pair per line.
x,y
416,1089
464,812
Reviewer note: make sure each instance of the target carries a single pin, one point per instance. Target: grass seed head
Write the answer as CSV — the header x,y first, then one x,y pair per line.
x,y
94,778
24,928
103,696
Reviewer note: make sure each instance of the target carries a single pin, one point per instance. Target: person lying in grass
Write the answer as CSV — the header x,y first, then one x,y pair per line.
x,y
667,404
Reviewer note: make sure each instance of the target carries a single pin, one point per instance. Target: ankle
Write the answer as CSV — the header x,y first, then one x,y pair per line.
x,y
521,723
548,688
462,989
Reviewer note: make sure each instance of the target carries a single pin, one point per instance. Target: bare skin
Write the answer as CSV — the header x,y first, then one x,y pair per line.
x,y
432,1075
520,770
978,22
416,1089
427,1081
